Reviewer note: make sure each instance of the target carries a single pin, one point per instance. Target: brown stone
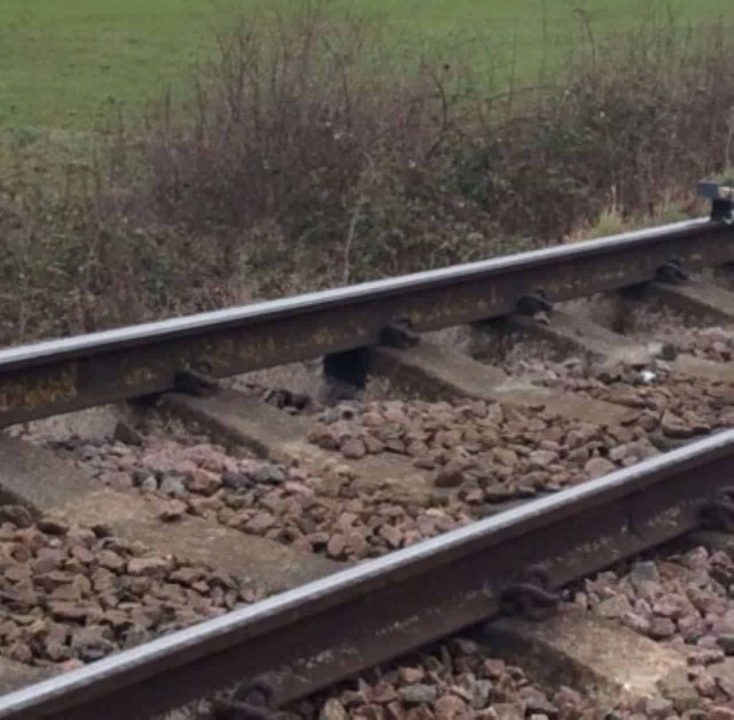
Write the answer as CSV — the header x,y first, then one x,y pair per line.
x,y
411,675
110,560
508,711
68,610
677,688
393,536
353,449
172,510
260,523
333,710
382,693
598,466
674,427
449,476
204,482
336,545
149,567
451,707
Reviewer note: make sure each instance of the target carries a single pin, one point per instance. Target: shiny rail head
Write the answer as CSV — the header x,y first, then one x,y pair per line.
x,y
62,696
60,376
140,334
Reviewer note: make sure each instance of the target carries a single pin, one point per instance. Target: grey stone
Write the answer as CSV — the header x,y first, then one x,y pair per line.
x,y
236,480
677,688
658,707
150,484
541,458
614,607
661,628
271,474
536,702
418,693
481,693
508,711
91,643
598,466
643,572
127,434
173,486
333,710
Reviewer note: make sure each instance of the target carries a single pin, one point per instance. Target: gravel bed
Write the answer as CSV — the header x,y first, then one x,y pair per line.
x,y
684,598
669,405
71,595
490,451
455,681
656,320
672,406
476,454
715,343
665,406
325,513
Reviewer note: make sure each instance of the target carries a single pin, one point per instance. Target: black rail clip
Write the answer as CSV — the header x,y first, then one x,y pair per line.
x,y
400,334
721,195
671,273
251,701
718,512
195,382
531,596
534,303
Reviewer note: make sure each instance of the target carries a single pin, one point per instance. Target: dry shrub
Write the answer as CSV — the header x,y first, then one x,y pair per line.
x,y
308,157
312,149
631,126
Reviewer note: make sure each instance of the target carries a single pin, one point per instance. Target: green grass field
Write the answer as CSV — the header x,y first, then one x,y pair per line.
x,y
65,63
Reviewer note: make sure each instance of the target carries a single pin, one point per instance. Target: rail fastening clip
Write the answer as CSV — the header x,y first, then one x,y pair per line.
x,y
534,303
531,596
400,334
253,700
718,512
671,273
721,195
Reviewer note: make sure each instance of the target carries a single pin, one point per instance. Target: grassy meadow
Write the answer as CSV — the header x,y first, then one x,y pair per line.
x,y
67,63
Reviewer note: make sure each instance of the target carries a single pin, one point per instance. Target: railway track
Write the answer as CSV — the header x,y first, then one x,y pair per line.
x,y
621,451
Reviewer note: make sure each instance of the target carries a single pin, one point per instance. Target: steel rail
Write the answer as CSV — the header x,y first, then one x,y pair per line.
x,y
321,632
58,376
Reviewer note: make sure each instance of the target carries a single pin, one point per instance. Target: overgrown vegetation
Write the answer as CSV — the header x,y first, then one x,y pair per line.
x,y
306,160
